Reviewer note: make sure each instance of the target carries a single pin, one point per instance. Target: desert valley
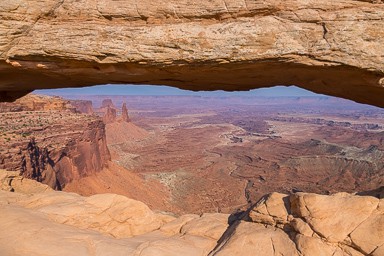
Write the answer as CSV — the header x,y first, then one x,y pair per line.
x,y
222,154
196,160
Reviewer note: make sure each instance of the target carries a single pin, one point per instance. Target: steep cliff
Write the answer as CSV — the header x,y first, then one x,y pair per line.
x,y
330,47
53,147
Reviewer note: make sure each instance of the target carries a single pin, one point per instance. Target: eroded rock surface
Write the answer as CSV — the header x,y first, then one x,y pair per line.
x,y
330,47
44,140
48,222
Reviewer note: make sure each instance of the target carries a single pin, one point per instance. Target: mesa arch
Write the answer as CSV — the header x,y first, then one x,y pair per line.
x,y
330,47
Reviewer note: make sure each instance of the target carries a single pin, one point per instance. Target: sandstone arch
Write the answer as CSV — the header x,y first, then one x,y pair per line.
x,y
330,47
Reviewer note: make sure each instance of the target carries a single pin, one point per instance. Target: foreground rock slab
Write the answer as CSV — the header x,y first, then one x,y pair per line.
x,y
49,222
330,47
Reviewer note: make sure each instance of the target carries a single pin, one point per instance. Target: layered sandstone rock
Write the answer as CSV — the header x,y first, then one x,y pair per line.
x,y
53,147
34,102
12,181
330,47
297,224
310,224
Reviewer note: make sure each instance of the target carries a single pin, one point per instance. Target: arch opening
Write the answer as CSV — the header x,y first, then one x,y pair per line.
x,y
234,146
346,82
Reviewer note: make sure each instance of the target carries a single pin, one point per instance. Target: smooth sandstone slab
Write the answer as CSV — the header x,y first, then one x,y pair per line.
x,y
57,223
330,47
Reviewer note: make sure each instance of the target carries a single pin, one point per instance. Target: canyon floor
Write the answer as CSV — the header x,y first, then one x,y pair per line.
x,y
201,154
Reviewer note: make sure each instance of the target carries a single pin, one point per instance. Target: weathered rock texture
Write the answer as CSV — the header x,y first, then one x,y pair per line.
x,y
308,224
58,223
53,147
330,47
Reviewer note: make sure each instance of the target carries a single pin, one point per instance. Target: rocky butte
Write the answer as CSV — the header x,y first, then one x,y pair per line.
x,y
110,115
329,47
124,113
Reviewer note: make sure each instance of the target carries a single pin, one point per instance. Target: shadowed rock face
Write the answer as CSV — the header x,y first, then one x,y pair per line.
x,y
328,47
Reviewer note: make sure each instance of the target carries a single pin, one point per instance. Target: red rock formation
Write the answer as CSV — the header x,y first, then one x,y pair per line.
x,y
84,155
36,164
107,103
110,115
53,147
83,106
124,113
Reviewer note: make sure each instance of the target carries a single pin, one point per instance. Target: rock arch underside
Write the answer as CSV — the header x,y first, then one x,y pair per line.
x,y
330,47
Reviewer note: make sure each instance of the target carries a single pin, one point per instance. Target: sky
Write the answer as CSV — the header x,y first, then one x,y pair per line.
x,y
277,91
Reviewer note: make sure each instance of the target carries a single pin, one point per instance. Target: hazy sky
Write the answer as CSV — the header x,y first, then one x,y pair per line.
x,y
166,90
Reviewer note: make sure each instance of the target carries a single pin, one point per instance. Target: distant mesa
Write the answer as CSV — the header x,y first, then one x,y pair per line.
x,y
107,103
83,106
110,112
33,102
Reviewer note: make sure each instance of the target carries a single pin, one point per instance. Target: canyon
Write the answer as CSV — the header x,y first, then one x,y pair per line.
x,y
218,176
209,173
237,149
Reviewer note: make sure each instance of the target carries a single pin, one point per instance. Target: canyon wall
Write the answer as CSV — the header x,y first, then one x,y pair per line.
x,y
329,47
53,147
